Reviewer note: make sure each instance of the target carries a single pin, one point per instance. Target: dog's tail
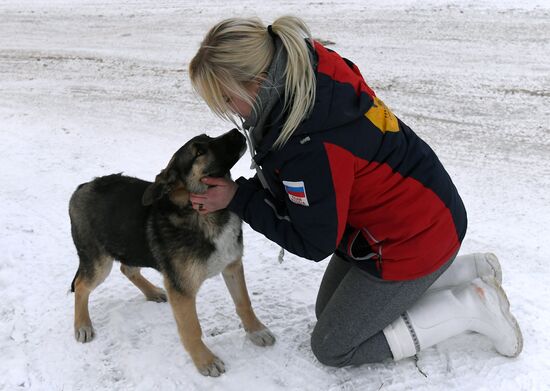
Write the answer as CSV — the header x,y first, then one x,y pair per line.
x,y
74,279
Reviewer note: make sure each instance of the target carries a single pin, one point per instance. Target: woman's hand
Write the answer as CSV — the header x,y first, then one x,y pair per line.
x,y
218,195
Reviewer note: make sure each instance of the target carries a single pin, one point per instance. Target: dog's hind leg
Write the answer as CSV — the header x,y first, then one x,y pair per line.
x,y
233,275
151,292
88,277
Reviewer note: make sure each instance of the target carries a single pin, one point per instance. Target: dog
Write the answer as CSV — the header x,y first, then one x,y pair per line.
x,y
144,224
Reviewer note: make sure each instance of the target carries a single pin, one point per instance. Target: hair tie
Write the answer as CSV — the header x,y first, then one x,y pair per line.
x,y
271,32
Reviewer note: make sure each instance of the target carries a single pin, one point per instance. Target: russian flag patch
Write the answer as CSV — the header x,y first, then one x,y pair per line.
x,y
296,192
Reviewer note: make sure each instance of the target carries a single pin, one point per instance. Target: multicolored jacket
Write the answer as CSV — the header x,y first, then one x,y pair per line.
x,y
354,179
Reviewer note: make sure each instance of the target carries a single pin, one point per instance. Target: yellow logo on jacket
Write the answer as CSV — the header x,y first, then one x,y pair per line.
x,y
382,117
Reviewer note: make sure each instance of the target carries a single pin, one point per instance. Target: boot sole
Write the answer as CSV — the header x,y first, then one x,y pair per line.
x,y
504,305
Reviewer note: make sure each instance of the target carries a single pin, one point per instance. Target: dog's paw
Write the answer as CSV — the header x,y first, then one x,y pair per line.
x,y
84,333
158,296
214,368
262,337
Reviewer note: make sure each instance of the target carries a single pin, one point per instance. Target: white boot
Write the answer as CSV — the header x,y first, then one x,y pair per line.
x,y
466,268
481,306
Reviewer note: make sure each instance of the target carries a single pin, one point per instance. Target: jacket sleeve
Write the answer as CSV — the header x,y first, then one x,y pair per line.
x,y
312,225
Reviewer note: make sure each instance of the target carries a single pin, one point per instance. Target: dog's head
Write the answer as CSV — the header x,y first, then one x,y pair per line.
x,y
200,157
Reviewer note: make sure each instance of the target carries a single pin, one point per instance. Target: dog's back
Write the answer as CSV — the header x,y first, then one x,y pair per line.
x,y
108,219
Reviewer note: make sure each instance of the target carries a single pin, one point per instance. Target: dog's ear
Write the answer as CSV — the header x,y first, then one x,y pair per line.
x,y
161,186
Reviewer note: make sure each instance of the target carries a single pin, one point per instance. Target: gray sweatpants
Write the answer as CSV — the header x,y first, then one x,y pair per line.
x,y
353,307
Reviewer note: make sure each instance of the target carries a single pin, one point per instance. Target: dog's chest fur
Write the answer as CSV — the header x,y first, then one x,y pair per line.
x,y
228,246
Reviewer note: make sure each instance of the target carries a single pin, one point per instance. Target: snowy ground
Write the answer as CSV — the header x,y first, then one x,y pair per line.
x,y
90,88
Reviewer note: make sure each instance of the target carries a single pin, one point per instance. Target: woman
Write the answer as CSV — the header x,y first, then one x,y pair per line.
x,y
341,175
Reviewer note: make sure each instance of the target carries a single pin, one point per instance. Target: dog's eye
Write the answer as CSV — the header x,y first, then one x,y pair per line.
x,y
199,152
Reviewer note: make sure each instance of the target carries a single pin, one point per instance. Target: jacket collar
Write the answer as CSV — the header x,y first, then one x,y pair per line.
x,y
270,94
338,98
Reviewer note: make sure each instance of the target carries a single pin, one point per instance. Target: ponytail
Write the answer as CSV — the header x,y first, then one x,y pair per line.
x,y
299,74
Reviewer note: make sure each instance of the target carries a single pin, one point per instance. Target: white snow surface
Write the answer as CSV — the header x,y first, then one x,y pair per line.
x,y
89,88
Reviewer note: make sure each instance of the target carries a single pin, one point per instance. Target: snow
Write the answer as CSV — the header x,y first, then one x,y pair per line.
x,y
92,87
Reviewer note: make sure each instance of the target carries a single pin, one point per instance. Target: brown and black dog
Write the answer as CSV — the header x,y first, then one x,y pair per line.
x,y
144,224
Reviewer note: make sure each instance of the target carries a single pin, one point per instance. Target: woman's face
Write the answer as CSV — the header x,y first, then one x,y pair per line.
x,y
240,106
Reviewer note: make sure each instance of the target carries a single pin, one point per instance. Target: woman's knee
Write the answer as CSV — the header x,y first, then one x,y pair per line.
x,y
326,350
330,346
330,350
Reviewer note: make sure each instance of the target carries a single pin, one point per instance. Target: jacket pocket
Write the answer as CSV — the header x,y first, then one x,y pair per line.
x,y
360,245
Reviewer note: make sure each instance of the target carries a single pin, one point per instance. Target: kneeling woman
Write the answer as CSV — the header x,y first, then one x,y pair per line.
x,y
341,175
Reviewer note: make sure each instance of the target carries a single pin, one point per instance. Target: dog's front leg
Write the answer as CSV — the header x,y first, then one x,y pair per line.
x,y
233,275
189,329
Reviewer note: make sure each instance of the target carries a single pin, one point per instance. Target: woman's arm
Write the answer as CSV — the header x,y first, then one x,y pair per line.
x,y
311,218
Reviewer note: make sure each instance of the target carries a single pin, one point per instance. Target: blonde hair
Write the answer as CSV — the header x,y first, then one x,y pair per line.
x,y
237,51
